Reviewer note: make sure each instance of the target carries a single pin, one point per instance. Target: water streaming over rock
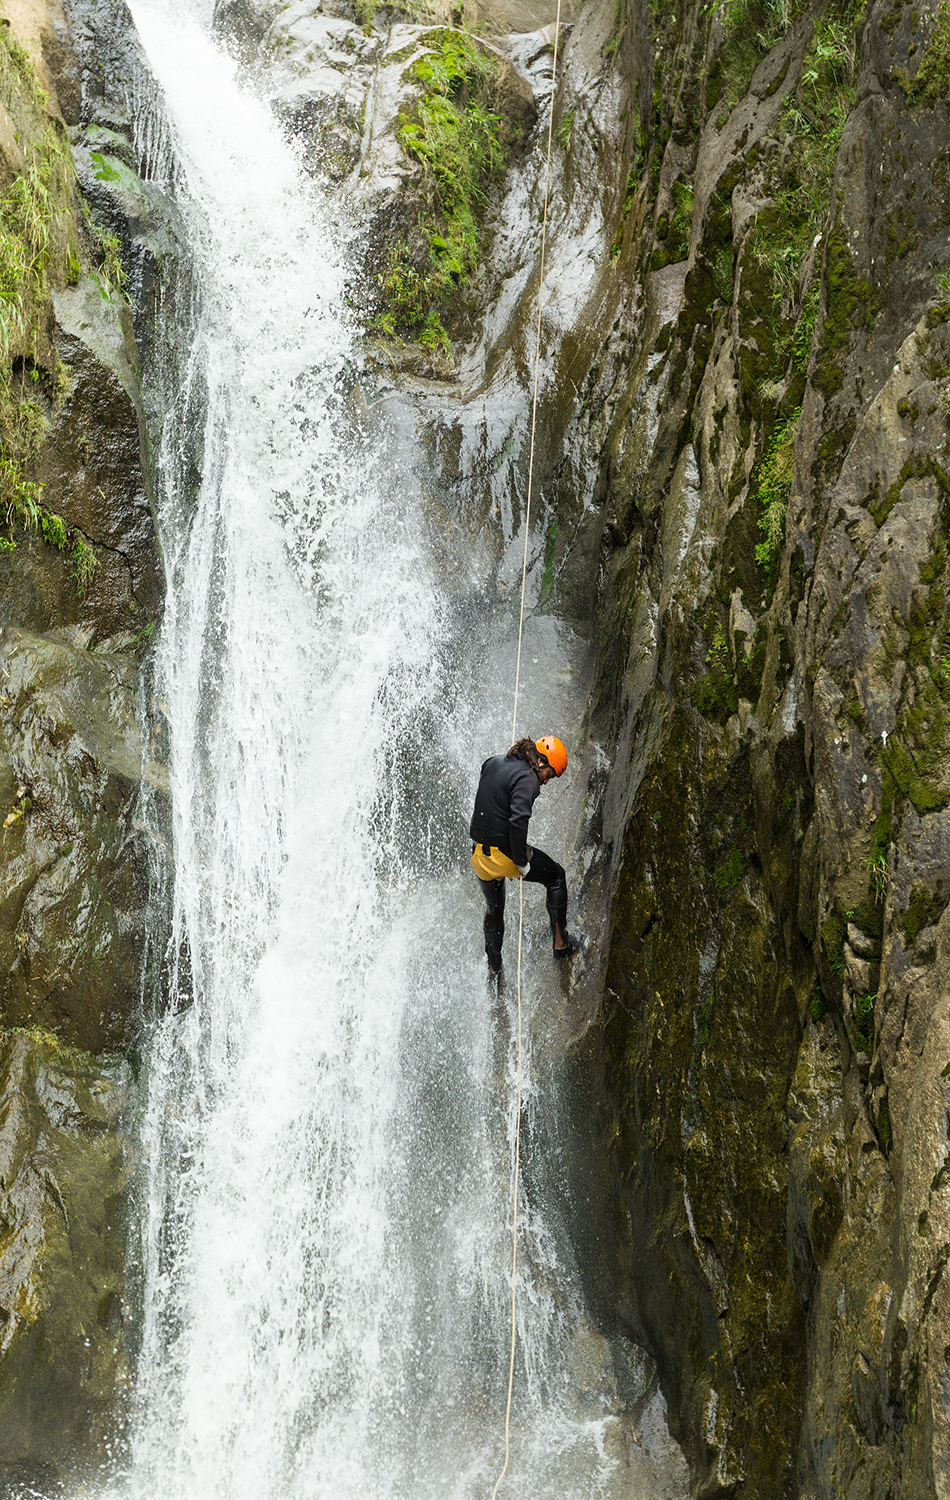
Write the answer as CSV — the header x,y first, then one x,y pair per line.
x,y
327,1123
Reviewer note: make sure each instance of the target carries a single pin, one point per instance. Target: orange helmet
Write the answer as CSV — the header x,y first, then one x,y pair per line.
x,y
554,753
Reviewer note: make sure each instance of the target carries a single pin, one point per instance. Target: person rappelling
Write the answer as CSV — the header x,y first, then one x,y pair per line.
x,y
507,790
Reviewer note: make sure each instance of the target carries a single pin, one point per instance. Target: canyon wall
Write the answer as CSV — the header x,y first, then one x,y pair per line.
x,y
743,481
742,474
80,596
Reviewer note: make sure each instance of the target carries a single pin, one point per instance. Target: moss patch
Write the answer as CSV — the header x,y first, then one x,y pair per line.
x,y
673,231
730,872
39,252
772,485
849,304
918,467
453,130
930,84
923,910
716,694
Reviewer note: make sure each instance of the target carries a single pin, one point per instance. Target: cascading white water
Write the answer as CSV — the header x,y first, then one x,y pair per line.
x,y
326,1133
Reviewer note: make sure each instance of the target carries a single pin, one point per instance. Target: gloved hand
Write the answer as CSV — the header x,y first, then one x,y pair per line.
x,y
523,869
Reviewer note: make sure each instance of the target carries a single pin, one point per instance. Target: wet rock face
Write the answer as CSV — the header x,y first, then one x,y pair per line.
x,y
775,821
74,596
64,1178
371,101
91,471
78,602
74,870
743,468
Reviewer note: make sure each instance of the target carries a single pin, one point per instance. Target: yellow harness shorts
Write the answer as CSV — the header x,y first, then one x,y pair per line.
x,y
494,865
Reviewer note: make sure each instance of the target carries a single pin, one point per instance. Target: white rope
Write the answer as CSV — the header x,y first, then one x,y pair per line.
x,y
514,736
537,366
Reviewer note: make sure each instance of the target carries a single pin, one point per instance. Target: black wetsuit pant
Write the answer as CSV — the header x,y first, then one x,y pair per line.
x,y
544,871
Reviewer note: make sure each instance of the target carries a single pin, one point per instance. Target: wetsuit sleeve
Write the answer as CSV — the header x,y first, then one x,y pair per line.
x,y
523,793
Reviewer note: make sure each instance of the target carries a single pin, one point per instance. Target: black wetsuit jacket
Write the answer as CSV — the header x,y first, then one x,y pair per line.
x,y
503,804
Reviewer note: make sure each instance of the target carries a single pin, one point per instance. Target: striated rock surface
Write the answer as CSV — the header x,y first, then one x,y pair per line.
x,y
91,471
773,1047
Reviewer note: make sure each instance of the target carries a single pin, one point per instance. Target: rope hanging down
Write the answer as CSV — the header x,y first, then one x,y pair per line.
x,y
514,736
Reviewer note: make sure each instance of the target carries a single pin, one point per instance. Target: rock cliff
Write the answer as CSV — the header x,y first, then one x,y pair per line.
x,y
744,483
80,592
770,421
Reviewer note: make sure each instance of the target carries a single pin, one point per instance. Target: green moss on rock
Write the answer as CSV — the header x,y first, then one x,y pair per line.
x,y
930,84
453,129
923,910
849,304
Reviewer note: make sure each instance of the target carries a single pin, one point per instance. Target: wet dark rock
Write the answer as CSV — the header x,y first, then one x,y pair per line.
x,y
65,1169
91,468
136,212
74,866
74,862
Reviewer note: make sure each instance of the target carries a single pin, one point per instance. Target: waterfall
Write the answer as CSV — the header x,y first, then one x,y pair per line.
x,y
327,1113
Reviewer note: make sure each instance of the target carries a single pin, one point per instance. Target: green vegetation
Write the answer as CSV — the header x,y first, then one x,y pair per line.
x,y
877,870
633,180
779,271
914,758
715,694
730,872
923,910
142,639
910,780
454,132
111,273
832,940
24,509
930,84
565,129
674,230
16,814
913,468
752,27
37,221
39,251
772,488
849,305
785,233
48,1037
763,21
864,1020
